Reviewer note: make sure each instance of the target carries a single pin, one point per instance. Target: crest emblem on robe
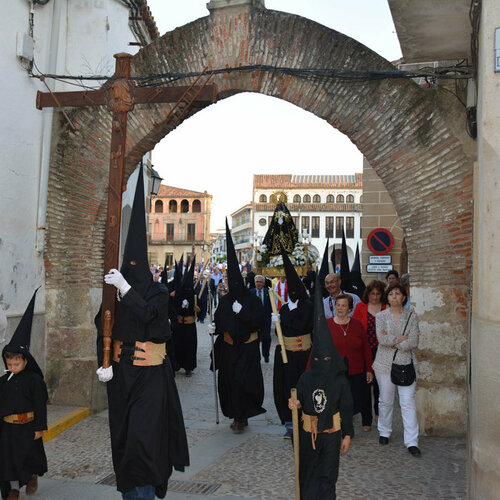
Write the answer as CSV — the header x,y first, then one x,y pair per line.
x,y
319,400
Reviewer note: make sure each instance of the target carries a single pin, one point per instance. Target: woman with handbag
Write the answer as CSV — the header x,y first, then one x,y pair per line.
x,y
397,334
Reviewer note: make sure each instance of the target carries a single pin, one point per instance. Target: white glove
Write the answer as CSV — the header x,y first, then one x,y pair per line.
x,y
275,317
237,307
211,328
115,277
292,305
105,374
185,304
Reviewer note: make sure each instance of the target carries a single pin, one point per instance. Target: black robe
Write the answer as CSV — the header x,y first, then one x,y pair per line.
x,y
184,335
285,376
21,456
148,437
319,469
240,381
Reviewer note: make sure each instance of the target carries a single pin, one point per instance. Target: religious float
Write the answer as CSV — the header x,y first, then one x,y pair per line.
x,y
282,232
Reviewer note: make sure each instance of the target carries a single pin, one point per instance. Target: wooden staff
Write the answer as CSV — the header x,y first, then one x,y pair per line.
x,y
295,421
202,289
211,314
278,326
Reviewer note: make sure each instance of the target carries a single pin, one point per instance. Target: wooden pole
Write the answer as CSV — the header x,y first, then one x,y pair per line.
x,y
296,449
273,297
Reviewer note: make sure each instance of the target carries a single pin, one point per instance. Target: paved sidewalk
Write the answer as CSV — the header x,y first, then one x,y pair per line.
x,y
257,464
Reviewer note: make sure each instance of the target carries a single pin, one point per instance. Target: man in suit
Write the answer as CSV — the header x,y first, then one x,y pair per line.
x,y
265,333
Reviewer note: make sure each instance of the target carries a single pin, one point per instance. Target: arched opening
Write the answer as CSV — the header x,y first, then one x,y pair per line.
x,y
196,206
158,207
330,198
172,206
340,198
296,198
184,207
262,198
306,198
316,198
349,198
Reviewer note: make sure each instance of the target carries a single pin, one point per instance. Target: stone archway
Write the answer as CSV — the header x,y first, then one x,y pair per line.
x,y
411,136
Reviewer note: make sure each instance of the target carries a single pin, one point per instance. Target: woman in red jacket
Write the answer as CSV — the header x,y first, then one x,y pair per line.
x,y
372,303
351,341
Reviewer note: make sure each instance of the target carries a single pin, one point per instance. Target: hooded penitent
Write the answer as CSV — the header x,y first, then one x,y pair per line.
x,y
332,259
357,284
234,278
296,289
281,232
135,267
345,273
20,341
324,270
320,387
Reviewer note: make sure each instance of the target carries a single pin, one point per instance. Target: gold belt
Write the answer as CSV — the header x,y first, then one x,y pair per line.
x,y
300,343
229,340
20,418
185,320
145,353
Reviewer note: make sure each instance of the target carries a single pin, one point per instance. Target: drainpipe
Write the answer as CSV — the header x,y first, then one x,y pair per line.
x,y
47,118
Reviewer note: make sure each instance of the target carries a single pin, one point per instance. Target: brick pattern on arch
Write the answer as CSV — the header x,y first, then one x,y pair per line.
x,y
399,127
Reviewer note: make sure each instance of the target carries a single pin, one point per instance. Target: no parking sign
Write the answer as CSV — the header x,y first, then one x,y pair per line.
x,y
380,241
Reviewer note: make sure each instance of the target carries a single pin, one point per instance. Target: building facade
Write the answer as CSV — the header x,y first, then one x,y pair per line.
x,y
179,224
322,206
242,232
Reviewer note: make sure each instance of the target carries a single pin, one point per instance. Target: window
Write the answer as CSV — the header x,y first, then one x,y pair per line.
x,y
196,206
349,198
170,232
296,198
305,224
315,227
184,206
169,259
172,207
262,198
158,207
316,198
306,199
329,226
340,227
340,198
296,221
349,227
262,221
330,198
191,231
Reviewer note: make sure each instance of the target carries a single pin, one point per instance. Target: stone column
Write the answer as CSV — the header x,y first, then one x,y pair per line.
x,y
484,396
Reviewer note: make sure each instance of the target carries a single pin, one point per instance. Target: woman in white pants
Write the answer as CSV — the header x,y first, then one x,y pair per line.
x,y
391,335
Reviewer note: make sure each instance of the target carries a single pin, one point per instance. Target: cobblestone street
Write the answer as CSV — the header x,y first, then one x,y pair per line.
x,y
259,462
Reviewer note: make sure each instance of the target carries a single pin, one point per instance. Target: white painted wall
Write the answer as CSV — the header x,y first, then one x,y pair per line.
x,y
70,37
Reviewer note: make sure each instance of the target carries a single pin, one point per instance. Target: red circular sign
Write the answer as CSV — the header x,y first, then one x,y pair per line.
x,y
380,241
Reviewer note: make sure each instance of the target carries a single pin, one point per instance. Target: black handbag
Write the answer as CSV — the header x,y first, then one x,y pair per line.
x,y
403,374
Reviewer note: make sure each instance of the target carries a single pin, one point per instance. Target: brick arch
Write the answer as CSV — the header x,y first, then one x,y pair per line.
x,y
409,135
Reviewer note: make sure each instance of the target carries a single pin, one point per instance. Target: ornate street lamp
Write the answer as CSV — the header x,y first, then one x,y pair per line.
x,y
155,181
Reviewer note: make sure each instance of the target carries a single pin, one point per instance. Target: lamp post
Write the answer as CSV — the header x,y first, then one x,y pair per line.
x,y
155,181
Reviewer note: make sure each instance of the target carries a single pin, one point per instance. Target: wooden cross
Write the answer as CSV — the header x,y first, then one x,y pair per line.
x,y
120,96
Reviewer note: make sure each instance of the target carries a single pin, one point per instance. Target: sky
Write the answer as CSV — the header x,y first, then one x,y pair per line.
x,y
219,149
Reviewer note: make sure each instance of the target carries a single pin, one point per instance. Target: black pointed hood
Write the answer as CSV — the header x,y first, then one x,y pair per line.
x,y
357,284
296,289
20,341
332,259
234,277
318,386
138,275
345,273
188,278
324,270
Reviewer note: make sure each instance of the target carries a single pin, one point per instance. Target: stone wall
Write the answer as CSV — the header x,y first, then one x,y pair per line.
x,y
410,136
